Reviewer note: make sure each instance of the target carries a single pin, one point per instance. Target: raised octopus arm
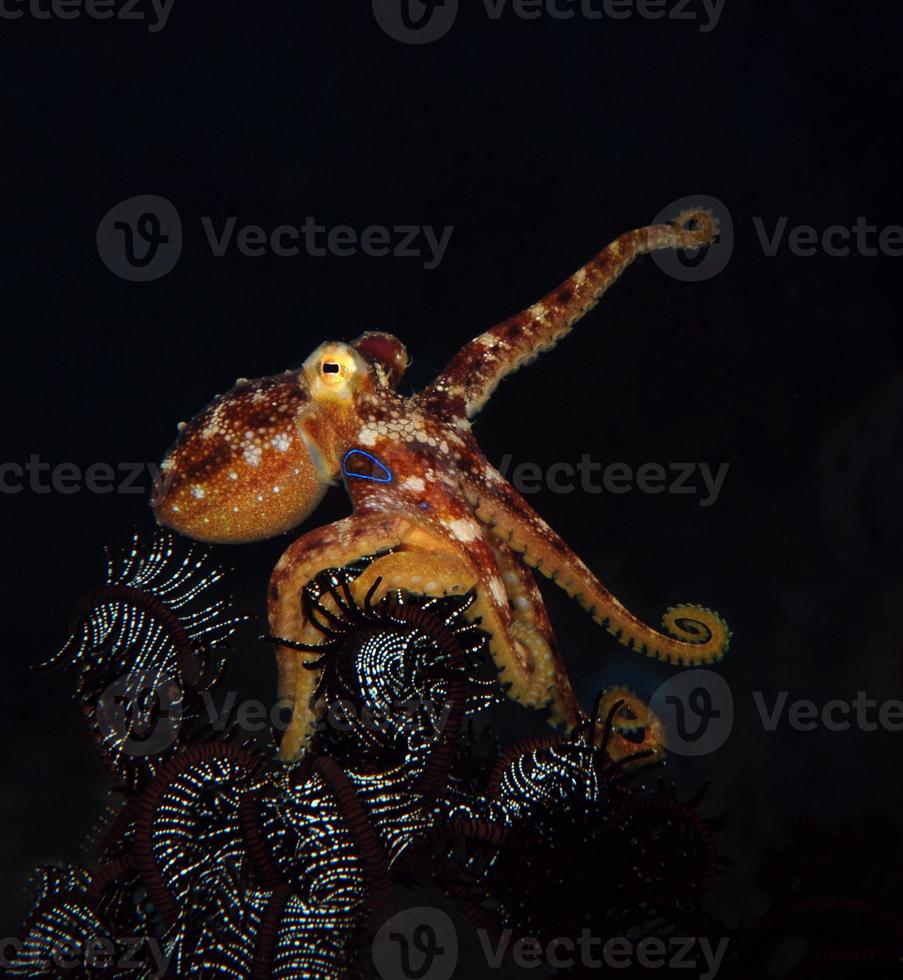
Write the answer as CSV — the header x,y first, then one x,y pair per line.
x,y
475,372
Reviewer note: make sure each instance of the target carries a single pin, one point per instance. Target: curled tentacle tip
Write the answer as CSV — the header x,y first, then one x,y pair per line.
x,y
698,226
618,714
700,626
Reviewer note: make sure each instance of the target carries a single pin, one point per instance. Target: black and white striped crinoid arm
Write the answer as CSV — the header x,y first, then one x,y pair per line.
x,y
144,646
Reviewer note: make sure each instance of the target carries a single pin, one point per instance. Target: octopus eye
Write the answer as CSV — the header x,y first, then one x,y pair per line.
x,y
336,369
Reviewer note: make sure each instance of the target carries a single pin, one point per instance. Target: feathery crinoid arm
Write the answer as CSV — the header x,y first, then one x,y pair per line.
x,y
470,378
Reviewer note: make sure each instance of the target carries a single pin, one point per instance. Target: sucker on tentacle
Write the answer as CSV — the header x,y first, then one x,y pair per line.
x,y
257,461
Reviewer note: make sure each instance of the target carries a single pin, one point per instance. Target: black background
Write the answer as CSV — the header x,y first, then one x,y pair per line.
x,y
538,141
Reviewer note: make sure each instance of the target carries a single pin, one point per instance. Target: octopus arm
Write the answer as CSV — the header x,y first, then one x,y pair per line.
x,y
507,605
420,562
468,381
630,717
694,635
331,546
532,628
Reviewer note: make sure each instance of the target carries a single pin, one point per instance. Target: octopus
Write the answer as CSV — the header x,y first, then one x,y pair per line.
x,y
440,519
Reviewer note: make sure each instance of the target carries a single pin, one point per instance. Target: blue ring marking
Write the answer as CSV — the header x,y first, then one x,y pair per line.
x,y
361,476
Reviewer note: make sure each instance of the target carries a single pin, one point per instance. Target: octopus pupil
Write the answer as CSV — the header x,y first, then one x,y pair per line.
x,y
330,368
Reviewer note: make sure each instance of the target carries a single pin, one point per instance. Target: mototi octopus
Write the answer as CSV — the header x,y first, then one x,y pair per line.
x,y
440,519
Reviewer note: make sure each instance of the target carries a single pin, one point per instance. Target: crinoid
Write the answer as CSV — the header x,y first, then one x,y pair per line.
x,y
612,858
563,840
65,916
144,647
263,934
233,862
676,857
396,676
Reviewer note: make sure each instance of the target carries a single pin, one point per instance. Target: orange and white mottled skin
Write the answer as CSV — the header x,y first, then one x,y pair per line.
x,y
257,460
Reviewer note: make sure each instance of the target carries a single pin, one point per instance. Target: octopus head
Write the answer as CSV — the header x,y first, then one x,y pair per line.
x,y
257,460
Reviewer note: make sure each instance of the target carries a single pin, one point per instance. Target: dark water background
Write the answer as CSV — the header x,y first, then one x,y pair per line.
x,y
538,141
